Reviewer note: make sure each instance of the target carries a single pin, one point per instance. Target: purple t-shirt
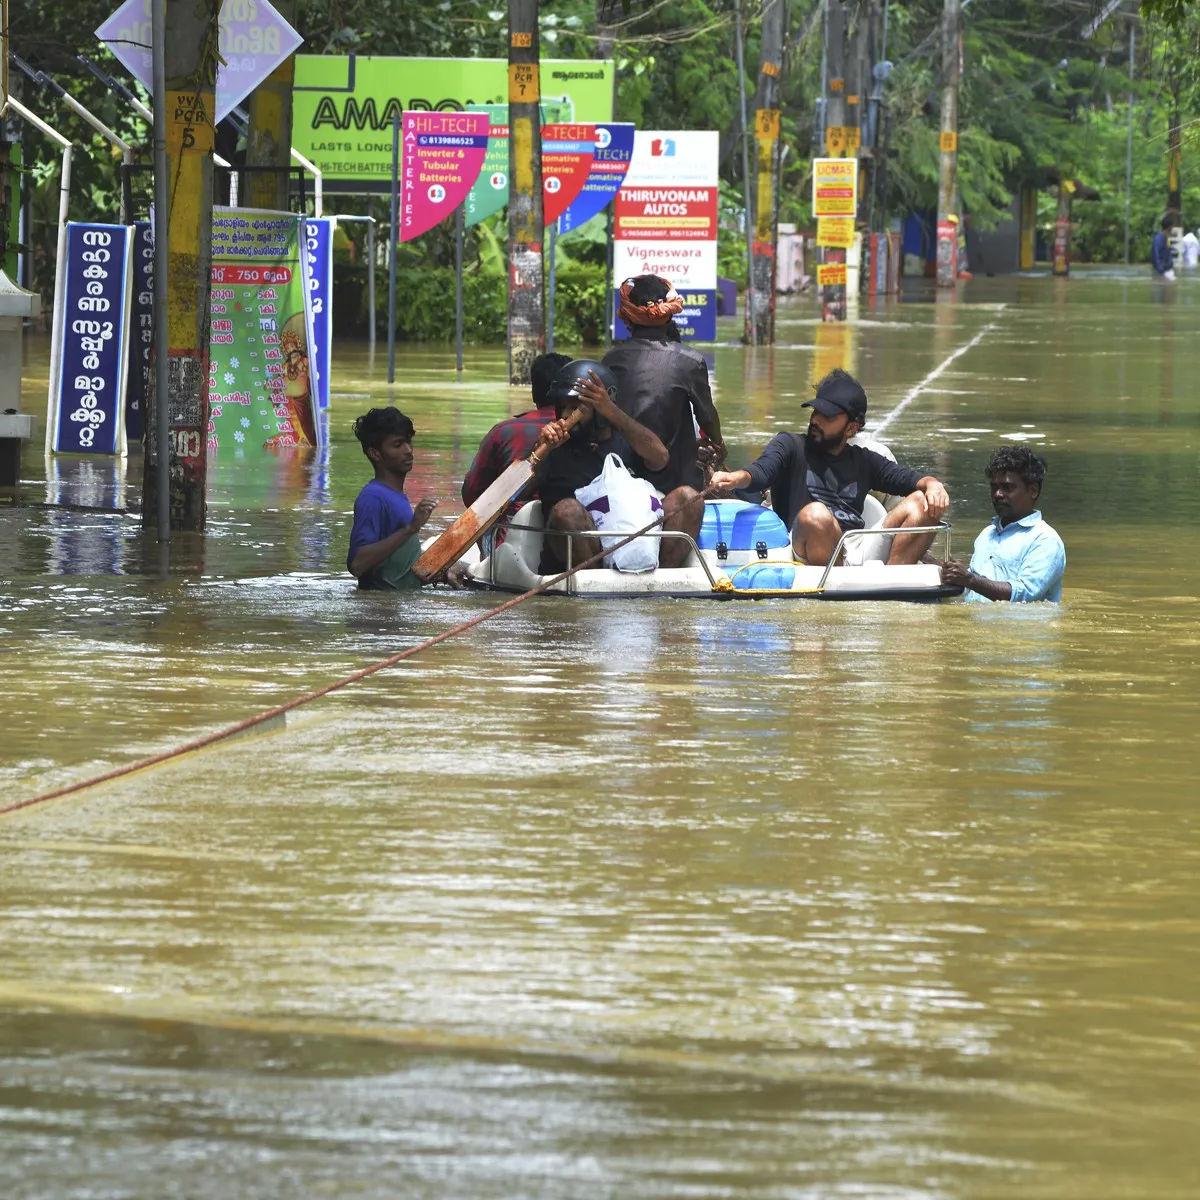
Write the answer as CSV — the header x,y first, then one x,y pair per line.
x,y
378,512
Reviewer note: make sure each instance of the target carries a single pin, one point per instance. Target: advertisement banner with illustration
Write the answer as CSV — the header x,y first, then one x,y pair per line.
x,y
489,193
344,105
90,344
262,381
610,163
441,155
665,222
567,151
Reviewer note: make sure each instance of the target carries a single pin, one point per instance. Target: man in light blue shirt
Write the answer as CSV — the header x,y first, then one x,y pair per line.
x,y
1018,556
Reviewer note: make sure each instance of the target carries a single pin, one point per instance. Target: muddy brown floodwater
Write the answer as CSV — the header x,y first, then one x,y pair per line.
x,y
625,899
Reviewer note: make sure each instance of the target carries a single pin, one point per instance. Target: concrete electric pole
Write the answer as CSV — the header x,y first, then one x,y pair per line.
x,y
833,295
526,226
948,217
188,60
766,138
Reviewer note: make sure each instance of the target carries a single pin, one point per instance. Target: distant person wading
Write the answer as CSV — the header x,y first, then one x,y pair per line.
x,y
663,385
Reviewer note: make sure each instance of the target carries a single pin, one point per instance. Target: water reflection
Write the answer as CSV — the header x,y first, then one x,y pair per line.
x,y
737,900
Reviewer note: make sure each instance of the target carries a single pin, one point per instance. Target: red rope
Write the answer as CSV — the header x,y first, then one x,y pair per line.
x,y
269,714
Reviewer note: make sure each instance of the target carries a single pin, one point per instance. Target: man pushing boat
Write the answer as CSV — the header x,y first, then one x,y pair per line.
x,y
819,482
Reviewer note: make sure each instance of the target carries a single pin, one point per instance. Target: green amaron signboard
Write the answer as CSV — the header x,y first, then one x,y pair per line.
x,y
344,105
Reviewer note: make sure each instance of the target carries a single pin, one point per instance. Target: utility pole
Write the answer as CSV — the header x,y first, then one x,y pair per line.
x,y
190,58
269,143
1174,158
526,226
1129,139
5,144
948,216
833,297
744,134
605,47
857,105
760,322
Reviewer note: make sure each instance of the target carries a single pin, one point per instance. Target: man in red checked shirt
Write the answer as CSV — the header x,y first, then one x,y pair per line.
x,y
514,439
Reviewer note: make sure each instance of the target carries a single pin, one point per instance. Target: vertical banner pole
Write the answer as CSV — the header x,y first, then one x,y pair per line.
x,y
1129,143
741,67
391,374
162,209
458,283
550,299
371,282
608,284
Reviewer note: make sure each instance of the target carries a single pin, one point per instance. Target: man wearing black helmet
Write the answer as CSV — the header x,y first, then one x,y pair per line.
x,y
819,481
579,455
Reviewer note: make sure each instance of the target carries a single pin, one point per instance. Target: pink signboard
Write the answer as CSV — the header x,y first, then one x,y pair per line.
x,y
440,158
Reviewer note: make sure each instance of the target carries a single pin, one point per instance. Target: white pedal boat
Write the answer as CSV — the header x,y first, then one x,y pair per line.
x,y
743,552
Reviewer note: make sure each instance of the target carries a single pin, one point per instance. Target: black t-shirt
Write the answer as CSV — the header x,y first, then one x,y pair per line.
x,y
797,475
577,463
663,385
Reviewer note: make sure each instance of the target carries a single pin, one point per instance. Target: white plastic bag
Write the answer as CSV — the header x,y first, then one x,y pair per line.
x,y
621,504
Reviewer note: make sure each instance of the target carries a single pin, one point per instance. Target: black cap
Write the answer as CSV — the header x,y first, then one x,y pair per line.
x,y
839,392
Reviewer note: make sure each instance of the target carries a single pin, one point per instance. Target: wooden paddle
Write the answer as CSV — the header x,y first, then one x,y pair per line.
x,y
484,513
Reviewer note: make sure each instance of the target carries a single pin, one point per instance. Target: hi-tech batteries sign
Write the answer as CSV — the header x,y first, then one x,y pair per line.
x,y
440,158
610,164
567,151
343,107
666,222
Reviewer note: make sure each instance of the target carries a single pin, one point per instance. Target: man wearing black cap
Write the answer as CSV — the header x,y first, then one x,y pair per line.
x,y
819,482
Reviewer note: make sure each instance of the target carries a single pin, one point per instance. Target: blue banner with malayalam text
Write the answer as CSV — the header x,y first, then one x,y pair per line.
x,y
318,250
141,331
90,356
614,150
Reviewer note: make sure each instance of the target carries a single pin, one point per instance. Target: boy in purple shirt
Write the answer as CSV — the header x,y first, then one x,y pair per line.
x,y
384,540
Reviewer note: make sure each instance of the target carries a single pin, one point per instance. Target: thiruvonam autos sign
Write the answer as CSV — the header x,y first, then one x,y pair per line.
x,y
666,222
344,106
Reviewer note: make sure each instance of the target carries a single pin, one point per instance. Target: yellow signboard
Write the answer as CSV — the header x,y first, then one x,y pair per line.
x,y
831,274
766,124
948,141
842,139
835,187
522,83
835,232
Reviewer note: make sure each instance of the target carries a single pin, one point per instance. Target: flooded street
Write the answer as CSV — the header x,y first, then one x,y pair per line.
x,y
624,898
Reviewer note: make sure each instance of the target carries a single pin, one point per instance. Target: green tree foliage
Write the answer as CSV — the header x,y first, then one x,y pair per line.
x,y
1037,96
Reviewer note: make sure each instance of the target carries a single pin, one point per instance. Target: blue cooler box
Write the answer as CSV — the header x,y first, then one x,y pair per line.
x,y
741,526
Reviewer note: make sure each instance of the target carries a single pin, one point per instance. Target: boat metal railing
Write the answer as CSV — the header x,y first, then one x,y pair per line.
x,y
899,531
848,535
599,533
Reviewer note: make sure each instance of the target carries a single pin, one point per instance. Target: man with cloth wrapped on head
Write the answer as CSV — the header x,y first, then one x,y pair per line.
x,y
663,384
